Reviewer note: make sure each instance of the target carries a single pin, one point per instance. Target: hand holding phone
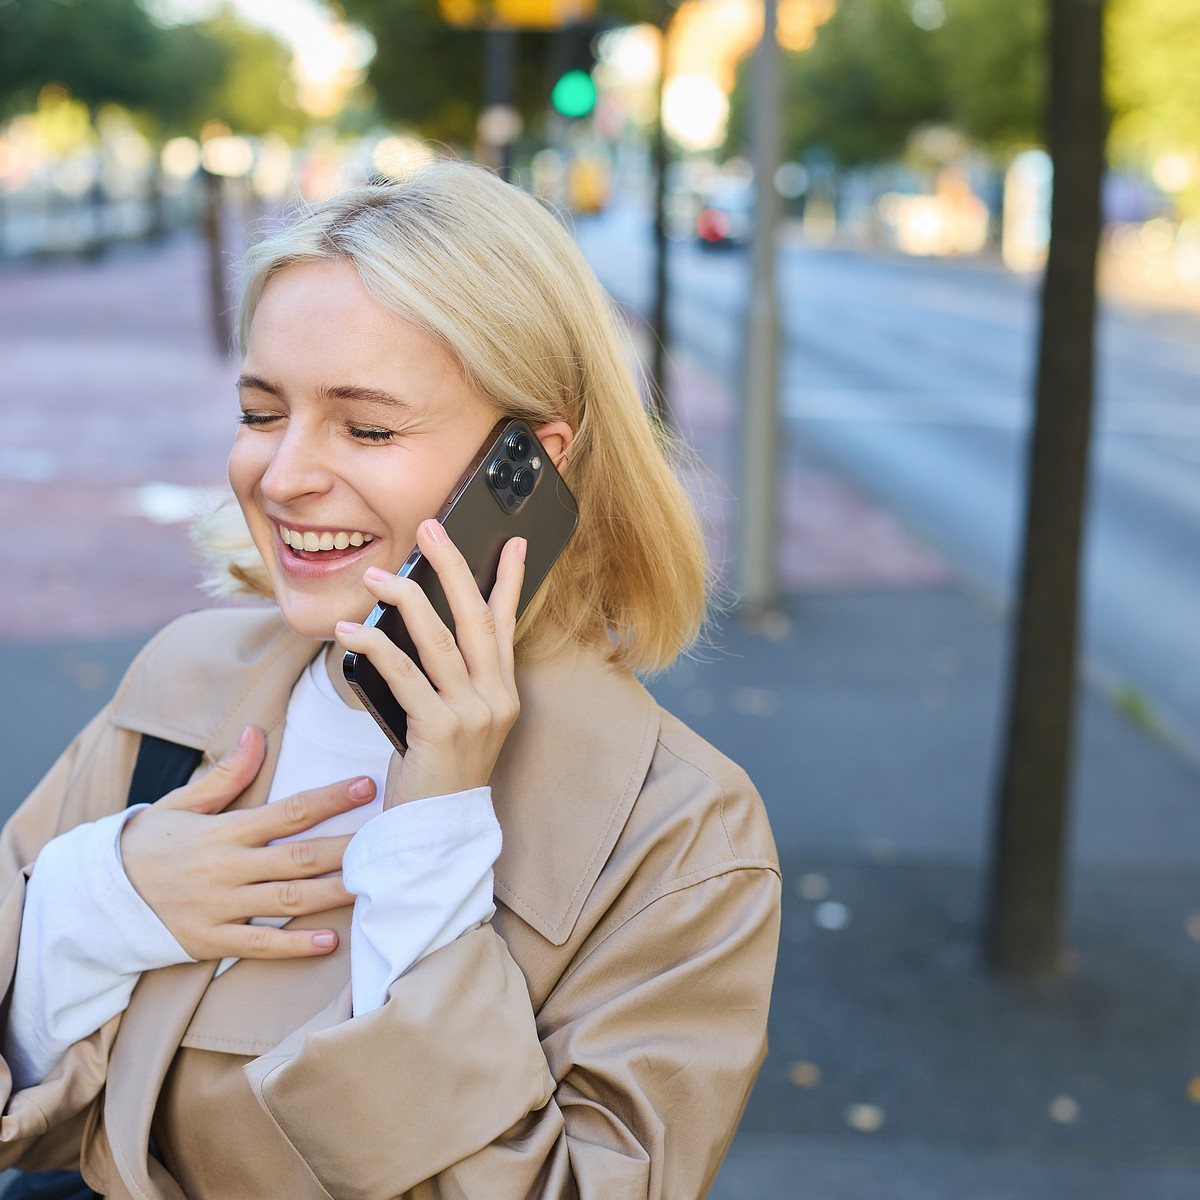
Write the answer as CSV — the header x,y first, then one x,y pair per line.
x,y
510,489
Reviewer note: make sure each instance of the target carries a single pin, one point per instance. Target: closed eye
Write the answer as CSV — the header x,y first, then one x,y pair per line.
x,y
371,435
255,418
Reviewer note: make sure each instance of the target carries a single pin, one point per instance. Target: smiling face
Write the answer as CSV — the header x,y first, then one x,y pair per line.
x,y
356,426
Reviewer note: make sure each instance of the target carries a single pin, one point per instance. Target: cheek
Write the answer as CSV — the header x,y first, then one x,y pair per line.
x,y
243,468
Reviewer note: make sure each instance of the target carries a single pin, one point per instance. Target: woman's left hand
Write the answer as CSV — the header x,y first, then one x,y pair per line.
x,y
462,706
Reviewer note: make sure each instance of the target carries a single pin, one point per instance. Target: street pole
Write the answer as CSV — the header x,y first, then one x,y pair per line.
x,y
758,582
659,329
500,43
218,290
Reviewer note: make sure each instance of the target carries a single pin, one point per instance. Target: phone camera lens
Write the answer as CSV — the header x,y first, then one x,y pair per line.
x,y
519,445
500,473
523,481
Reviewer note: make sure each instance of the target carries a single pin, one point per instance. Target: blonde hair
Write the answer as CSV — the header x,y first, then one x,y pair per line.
x,y
492,275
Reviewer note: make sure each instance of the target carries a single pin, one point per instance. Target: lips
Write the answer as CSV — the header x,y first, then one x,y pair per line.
x,y
317,553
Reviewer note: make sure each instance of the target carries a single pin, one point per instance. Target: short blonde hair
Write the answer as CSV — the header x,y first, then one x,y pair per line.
x,y
485,269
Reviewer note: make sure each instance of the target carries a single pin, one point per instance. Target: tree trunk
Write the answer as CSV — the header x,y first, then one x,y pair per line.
x,y
1025,921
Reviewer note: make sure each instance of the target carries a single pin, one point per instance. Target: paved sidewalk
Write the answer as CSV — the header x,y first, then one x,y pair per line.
x,y
868,717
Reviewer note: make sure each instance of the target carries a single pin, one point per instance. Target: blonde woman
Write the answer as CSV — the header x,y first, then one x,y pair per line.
x,y
532,956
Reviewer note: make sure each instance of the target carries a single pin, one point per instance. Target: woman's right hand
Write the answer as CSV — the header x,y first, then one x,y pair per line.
x,y
206,872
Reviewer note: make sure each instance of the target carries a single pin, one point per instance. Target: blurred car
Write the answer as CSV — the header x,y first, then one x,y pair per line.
x,y
727,216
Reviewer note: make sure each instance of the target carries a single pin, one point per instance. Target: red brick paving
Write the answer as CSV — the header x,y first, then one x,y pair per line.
x,y
110,381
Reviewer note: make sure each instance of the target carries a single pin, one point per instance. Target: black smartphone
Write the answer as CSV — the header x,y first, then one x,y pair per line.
x,y
510,489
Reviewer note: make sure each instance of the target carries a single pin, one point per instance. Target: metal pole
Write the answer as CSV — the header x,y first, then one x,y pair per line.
x,y
758,578
500,48
659,330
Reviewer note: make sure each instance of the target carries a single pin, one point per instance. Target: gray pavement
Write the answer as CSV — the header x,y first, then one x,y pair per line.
x,y
869,717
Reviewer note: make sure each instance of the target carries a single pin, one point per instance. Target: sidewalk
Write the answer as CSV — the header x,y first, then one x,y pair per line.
x,y
868,718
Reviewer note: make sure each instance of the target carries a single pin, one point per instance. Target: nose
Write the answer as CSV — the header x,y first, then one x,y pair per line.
x,y
298,467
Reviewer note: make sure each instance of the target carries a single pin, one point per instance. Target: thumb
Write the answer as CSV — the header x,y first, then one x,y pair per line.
x,y
220,786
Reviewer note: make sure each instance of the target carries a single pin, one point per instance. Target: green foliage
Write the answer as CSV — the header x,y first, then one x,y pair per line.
x,y
113,52
1153,61
100,50
247,80
992,60
430,75
881,68
425,73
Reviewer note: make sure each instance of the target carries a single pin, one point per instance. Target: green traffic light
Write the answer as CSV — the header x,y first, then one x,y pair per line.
x,y
574,95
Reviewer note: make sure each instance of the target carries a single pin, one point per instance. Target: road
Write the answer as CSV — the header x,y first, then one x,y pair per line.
x,y
913,376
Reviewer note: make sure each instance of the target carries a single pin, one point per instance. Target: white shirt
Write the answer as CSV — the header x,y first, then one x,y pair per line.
x,y
421,874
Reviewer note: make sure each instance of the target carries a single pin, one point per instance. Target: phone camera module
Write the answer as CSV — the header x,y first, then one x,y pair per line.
x,y
500,474
518,445
524,481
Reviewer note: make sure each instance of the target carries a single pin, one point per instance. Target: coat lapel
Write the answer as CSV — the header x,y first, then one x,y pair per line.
x,y
561,796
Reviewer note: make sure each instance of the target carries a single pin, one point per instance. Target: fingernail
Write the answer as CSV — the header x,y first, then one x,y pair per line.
x,y
362,788
325,940
435,532
347,627
522,546
244,739
376,573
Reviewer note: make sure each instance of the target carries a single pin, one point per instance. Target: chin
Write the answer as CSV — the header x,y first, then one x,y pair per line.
x,y
317,621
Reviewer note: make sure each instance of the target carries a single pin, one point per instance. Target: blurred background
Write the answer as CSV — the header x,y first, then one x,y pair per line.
x,y
830,247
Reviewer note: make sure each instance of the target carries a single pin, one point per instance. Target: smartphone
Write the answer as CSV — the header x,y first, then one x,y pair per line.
x,y
510,489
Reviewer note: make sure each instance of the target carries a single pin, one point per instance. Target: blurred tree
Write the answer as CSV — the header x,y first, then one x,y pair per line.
x,y
1025,917
112,51
430,75
1153,55
870,78
881,68
992,61
100,50
225,70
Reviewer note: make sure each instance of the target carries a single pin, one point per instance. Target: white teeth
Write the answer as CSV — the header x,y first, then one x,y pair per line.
x,y
328,540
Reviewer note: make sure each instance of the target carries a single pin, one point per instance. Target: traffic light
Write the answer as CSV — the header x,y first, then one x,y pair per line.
x,y
574,91
574,94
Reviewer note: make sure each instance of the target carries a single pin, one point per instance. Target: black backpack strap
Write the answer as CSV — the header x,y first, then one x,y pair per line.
x,y
161,767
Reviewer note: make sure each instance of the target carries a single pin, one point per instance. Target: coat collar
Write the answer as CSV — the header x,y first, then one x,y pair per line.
x,y
563,788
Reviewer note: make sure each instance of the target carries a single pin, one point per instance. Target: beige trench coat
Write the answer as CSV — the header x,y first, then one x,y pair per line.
x,y
598,1038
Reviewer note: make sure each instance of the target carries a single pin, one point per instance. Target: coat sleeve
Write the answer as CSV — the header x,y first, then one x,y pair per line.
x,y
40,1125
629,1082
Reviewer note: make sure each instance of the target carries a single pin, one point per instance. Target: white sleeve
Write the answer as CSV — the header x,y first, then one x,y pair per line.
x,y
421,874
86,936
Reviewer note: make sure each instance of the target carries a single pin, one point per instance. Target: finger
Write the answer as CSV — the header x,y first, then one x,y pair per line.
x,y
219,787
263,941
408,683
293,897
474,619
504,600
302,811
299,859
438,652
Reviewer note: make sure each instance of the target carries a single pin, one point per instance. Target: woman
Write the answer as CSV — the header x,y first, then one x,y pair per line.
x,y
200,1005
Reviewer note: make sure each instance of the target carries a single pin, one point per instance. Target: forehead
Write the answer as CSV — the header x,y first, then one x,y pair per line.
x,y
318,318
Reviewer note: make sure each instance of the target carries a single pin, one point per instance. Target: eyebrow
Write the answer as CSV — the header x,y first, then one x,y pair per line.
x,y
341,391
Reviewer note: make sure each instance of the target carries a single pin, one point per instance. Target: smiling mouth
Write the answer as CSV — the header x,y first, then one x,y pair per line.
x,y
332,543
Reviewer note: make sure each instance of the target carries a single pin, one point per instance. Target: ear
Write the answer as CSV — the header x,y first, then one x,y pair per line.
x,y
556,438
